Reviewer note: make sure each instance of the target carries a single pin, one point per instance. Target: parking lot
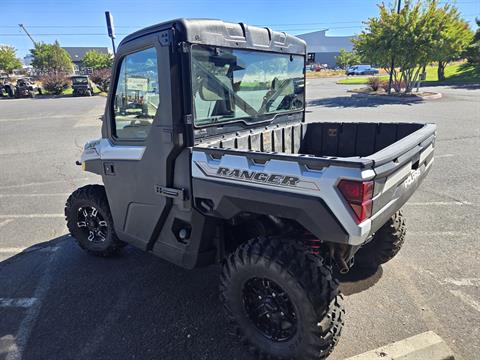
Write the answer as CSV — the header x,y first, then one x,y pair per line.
x,y
56,302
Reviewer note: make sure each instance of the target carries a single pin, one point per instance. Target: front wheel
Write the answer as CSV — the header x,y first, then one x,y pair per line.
x,y
90,222
282,300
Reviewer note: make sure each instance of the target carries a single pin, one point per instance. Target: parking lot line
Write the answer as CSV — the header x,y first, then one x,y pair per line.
x,y
40,183
464,282
467,299
437,233
33,195
30,216
26,326
443,156
438,203
5,222
17,250
17,302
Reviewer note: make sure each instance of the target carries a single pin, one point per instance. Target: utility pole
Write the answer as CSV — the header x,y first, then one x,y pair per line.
x,y
110,29
28,34
393,56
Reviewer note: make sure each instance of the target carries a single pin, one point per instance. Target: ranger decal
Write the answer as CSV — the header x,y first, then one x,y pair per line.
x,y
258,176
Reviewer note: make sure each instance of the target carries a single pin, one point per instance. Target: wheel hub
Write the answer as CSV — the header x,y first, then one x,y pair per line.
x,y
92,224
270,309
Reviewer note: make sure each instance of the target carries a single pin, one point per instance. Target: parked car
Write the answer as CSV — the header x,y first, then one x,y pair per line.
x,y
361,70
26,88
318,67
82,85
220,172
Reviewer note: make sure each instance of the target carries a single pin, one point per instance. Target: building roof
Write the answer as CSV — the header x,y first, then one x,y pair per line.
x,y
78,53
318,42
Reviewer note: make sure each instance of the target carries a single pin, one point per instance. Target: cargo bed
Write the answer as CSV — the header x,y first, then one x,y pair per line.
x,y
395,156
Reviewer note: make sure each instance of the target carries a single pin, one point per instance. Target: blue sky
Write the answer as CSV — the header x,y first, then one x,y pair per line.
x,y
82,22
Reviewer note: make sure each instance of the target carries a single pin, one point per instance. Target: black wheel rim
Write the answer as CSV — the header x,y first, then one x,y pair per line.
x,y
92,224
270,309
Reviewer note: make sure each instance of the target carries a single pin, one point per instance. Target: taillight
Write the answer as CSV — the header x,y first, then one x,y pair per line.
x,y
359,196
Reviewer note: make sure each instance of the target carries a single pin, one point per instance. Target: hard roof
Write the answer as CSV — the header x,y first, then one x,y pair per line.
x,y
220,33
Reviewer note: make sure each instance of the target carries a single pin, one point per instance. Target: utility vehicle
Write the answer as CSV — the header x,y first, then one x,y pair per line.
x,y
26,88
82,85
6,87
206,158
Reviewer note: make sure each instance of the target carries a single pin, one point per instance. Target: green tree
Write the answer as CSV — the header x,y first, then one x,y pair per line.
x,y
8,58
453,36
473,51
51,58
345,58
97,60
412,37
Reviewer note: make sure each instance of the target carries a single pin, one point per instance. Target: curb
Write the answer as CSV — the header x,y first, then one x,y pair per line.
x,y
427,345
398,99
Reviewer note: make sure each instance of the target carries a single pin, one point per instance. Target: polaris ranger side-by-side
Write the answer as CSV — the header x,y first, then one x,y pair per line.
x,y
206,158
81,85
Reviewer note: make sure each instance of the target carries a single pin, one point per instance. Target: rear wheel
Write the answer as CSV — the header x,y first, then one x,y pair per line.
x,y
386,243
282,300
10,91
90,222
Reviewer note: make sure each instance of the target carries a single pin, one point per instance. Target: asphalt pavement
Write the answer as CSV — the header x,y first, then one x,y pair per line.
x,y
56,302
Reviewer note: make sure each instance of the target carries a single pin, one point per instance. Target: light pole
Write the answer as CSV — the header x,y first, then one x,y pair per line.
x,y
393,56
110,29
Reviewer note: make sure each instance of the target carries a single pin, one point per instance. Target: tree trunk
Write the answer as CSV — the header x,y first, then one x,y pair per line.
x,y
441,71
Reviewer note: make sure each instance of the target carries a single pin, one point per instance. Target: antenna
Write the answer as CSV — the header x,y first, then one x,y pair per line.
x,y
28,34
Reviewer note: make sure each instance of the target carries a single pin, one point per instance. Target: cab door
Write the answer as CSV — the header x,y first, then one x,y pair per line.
x,y
138,160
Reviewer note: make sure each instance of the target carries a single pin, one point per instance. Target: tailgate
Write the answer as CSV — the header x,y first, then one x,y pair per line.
x,y
399,169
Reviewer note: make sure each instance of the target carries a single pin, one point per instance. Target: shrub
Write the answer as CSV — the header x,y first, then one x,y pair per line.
x,y
374,83
55,83
101,78
384,85
397,86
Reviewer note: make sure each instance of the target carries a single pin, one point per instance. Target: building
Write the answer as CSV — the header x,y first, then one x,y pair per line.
x,y
78,53
323,49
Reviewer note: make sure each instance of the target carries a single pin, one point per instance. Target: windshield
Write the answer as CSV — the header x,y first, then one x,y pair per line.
x,y
230,84
79,81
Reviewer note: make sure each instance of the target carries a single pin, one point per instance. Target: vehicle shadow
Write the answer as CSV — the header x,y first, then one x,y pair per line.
x,y
134,305
359,279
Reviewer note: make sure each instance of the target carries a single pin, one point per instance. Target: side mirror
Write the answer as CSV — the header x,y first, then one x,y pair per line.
x,y
101,118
